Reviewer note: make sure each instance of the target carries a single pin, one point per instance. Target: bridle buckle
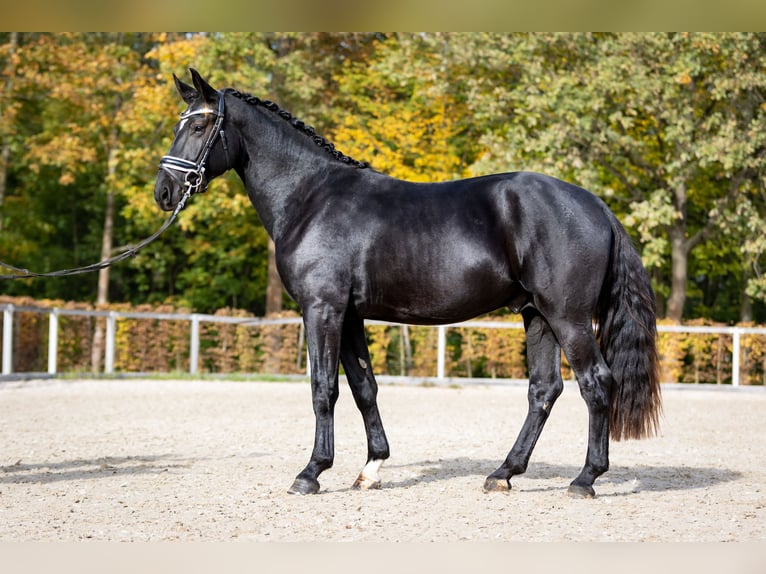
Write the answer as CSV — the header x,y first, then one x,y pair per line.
x,y
193,180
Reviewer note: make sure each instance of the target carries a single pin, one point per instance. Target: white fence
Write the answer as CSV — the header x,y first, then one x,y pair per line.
x,y
196,319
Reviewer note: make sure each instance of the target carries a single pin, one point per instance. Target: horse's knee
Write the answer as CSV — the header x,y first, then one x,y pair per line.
x,y
324,403
543,392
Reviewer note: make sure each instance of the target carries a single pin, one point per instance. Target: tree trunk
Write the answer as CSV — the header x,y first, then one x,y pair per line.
x,y
746,305
679,256
679,265
107,241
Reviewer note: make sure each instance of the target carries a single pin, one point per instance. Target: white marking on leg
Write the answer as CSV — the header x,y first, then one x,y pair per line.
x,y
362,362
369,478
372,468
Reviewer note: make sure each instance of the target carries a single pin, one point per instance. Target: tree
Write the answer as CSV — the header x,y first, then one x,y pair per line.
x,y
669,128
398,109
89,81
7,112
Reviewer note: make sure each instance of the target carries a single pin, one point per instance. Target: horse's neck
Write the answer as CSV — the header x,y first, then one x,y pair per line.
x,y
280,164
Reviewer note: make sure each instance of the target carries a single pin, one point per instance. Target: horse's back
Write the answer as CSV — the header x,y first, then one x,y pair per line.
x,y
521,216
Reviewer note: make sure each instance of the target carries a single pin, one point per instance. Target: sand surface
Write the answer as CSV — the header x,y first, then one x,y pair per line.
x,y
139,460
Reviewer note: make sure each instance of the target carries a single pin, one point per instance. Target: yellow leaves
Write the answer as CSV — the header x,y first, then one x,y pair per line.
x,y
64,150
66,178
491,352
378,340
684,79
410,142
99,98
398,111
177,55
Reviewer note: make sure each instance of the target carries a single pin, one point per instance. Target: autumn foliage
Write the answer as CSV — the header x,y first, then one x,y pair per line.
x,y
669,129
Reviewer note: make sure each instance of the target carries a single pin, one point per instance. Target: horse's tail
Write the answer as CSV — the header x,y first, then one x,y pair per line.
x,y
627,333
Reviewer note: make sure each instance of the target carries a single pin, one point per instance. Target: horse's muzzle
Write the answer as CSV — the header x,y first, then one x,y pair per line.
x,y
165,193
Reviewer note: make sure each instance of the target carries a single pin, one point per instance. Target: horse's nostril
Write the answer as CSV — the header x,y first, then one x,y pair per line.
x,y
165,194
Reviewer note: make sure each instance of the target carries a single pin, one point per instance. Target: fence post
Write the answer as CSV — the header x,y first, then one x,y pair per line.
x,y
8,339
441,350
194,345
301,343
735,358
111,328
53,341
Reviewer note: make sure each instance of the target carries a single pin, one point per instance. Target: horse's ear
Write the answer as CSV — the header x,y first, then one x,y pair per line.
x,y
188,94
209,93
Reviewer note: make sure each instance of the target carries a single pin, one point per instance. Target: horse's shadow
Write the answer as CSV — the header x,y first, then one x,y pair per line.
x,y
83,469
644,478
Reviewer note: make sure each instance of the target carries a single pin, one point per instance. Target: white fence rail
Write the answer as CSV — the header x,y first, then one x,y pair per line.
x,y
196,319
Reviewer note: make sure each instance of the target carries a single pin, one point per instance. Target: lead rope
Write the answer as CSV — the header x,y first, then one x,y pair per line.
x,y
129,252
194,179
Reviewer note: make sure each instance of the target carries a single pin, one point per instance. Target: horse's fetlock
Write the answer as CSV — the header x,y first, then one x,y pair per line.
x,y
598,468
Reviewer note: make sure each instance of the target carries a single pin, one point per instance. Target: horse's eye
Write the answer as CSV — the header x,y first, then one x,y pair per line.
x,y
198,129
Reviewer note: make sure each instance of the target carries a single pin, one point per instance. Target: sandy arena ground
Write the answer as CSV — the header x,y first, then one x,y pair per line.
x,y
136,460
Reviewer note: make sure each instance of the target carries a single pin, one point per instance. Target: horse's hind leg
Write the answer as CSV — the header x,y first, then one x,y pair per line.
x,y
595,381
356,362
545,386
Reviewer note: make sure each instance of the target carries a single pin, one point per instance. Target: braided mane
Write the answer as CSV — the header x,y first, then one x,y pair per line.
x,y
329,147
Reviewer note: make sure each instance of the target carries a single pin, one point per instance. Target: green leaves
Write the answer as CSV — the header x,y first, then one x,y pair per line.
x,y
666,127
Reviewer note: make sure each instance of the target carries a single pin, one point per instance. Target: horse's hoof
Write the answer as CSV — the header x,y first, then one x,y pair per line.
x,y
304,486
364,483
497,484
579,491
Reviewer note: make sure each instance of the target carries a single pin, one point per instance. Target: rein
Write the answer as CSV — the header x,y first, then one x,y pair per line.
x,y
193,180
130,252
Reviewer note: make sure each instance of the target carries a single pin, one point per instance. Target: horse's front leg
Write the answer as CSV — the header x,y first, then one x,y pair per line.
x,y
323,333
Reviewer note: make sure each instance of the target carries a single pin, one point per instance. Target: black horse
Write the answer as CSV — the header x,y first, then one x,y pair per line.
x,y
353,243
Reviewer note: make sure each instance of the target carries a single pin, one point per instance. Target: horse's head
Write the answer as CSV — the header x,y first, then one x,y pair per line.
x,y
199,151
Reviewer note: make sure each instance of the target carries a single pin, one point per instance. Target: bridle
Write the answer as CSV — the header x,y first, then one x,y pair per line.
x,y
194,171
193,180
